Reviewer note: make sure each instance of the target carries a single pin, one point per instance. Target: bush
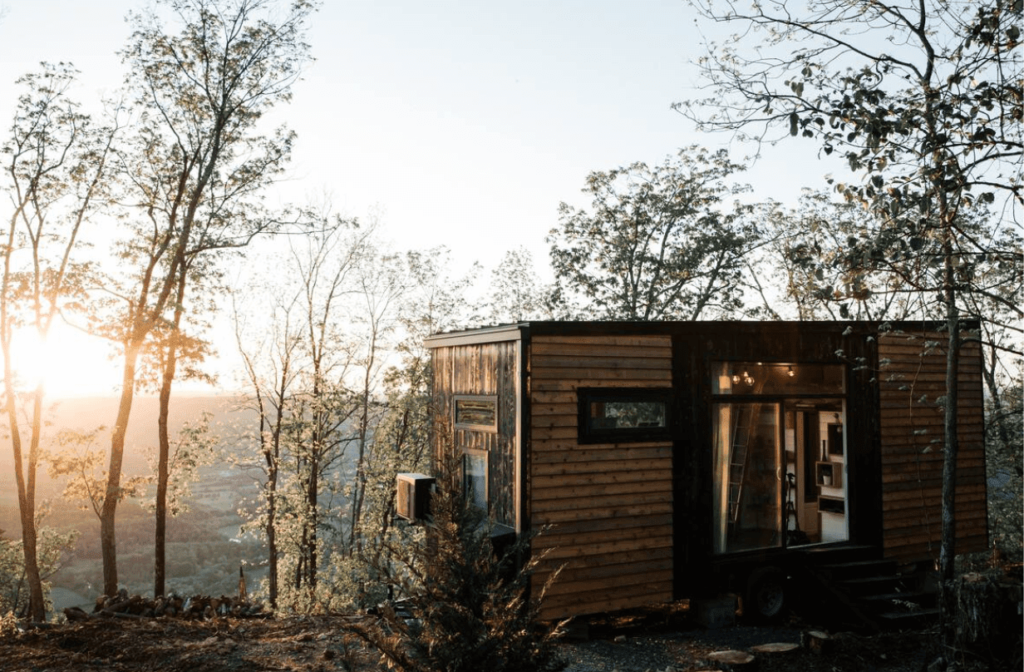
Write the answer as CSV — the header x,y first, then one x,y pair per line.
x,y
465,608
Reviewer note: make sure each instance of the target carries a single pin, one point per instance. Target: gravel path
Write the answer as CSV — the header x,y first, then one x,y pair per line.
x,y
655,651
686,649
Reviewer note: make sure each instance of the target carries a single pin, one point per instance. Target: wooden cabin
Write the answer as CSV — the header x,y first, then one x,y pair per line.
x,y
656,454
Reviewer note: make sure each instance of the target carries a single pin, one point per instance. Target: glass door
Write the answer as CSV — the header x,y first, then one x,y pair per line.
x,y
747,512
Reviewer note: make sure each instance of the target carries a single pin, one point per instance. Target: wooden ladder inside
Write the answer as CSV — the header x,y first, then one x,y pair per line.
x,y
739,455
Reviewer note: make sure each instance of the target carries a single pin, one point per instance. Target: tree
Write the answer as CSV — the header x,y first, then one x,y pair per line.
x,y
55,175
921,98
802,256
657,243
330,414
339,380
312,386
53,550
271,393
195,167
515,292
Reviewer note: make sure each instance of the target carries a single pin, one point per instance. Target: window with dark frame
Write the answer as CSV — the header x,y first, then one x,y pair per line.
x,y
624,415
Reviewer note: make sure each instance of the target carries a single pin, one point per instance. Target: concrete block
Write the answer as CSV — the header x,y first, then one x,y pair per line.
x,y
715,612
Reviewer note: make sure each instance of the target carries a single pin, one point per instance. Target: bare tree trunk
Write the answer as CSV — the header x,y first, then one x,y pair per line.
x,y
273,459
163,461
163,468
112,495
999,414
272,534
313,520
26,507
947,550
947,546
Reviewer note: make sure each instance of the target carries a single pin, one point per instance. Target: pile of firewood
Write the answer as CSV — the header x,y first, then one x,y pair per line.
x,y
196,607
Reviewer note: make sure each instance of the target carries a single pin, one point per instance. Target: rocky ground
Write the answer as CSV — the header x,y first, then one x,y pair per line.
x,y
626,643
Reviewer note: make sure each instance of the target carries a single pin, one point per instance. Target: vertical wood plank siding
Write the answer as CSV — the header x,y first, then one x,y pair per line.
x,y
911,379
608,506
485,369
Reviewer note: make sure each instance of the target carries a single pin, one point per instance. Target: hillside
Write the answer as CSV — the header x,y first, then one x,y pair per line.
x,y
204,548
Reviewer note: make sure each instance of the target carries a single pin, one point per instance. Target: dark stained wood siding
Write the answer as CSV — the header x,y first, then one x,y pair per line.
x,y
609,506
912,378
484,369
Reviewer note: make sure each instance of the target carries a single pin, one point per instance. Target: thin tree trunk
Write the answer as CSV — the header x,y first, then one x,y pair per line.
x,y
112,495
947,547
995,398
163,468
947,551
273,462
25,485
163,461
272,534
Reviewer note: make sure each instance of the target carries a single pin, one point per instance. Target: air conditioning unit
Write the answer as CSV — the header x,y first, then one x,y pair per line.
x,y
413,500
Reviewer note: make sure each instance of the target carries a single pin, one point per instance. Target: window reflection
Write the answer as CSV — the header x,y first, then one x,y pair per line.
x,y
626,414
776,378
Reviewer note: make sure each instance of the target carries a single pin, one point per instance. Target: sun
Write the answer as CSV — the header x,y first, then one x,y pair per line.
x,y
69,364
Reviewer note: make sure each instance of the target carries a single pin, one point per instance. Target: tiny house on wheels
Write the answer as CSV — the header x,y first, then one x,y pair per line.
x,y
669,460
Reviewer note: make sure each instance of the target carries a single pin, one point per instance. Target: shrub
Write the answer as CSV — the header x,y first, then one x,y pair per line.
x,y
464,608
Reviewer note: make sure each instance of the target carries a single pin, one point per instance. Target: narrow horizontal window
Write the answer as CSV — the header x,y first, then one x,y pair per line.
x,y
476,412
624,415
776,378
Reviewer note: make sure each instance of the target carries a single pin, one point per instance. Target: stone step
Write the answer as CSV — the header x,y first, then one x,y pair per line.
x,y
908,619
896,602
861,568
868,585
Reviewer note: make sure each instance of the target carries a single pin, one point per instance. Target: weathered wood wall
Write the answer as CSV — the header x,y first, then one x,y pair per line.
x,y
484,369
912,378
609,506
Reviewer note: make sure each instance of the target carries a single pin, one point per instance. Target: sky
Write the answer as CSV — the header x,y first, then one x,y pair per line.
x,y
454,123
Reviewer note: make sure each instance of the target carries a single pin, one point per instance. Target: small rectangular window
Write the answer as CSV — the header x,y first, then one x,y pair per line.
x,y
476,412
624,415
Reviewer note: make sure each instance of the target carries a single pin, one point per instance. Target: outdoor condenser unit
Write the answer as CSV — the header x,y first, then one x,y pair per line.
x,y
413,500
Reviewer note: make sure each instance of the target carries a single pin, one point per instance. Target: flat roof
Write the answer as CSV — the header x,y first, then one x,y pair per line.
x,y
524,330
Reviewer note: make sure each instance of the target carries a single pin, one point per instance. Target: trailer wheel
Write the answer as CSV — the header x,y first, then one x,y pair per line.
x,y
765,598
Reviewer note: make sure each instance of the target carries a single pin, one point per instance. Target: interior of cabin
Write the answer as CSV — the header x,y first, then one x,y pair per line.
x,y
779,456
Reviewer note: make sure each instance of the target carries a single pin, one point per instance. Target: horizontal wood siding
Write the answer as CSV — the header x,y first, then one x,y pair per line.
x,y
912,379
607,508
485,369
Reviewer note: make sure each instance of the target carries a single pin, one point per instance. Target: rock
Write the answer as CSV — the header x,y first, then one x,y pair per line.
x,y
75,614
775,648
738,661
715,613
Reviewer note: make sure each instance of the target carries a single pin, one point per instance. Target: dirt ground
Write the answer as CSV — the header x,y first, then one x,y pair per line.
x,y
316,644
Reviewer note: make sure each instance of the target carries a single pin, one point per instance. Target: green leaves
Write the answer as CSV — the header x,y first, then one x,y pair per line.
x,y
657,242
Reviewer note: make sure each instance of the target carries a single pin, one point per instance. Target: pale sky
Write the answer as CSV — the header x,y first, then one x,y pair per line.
x,y
461,123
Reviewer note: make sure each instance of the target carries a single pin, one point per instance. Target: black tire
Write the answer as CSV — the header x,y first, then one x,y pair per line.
x,y
765,600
